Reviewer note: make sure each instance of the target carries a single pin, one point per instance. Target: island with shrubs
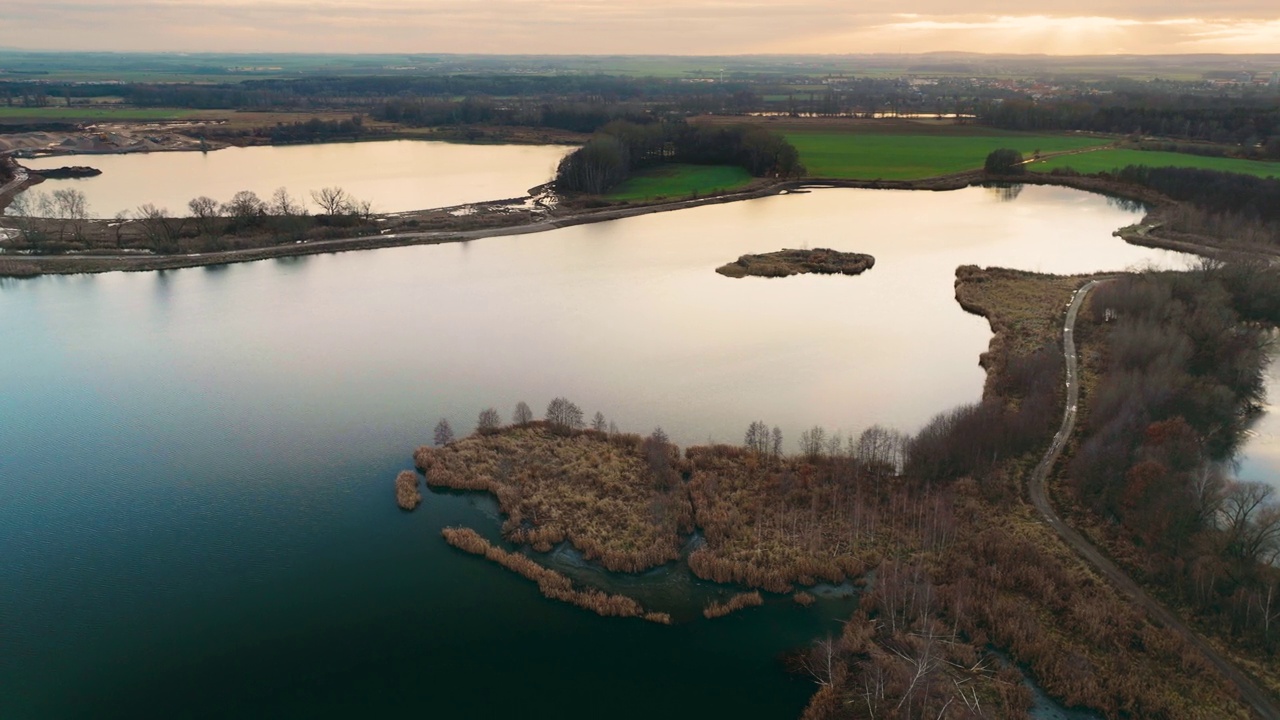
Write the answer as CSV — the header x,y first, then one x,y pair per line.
x,y
784,263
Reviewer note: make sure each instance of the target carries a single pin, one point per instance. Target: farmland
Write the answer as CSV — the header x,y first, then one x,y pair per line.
x,y
680,180
1109,160
866,156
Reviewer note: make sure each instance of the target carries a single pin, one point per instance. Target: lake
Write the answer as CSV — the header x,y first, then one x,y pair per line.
x,y
396,175
196,507
1258,459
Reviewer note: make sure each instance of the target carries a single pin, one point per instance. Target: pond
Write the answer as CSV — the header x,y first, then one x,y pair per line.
x,y
196,505
395,175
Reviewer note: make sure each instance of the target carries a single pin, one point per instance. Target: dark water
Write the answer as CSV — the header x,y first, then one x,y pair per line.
x,y
196,513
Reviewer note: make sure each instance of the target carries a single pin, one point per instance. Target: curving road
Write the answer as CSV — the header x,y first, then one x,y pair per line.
x,y
1264,706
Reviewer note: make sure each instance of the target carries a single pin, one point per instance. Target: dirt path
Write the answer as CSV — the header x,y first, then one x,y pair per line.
x,y
1262,703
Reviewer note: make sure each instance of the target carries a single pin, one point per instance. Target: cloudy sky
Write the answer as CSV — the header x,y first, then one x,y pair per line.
x,y
645,26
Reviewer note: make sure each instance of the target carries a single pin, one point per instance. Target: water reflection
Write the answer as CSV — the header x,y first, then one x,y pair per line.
x,y
1005,192
242,426
396,175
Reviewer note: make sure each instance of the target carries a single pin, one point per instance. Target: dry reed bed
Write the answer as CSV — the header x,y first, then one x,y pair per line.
x,y
732,605
1001,579
784,263
1011,582
1024,309
594,490
769,523
407,495
552,584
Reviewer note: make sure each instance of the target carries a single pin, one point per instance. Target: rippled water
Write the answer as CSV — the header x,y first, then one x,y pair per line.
x,y
396,175
196,507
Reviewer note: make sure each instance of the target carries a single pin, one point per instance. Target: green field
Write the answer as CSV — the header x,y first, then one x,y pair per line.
x,y
69,114
869,156
678,181
1108,160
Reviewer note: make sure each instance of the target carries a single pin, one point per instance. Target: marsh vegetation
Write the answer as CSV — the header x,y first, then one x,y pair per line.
x,y
820,261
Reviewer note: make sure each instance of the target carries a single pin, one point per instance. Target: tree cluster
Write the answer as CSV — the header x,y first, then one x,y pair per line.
x,y
622,147
1183,377
1254,129
1004,161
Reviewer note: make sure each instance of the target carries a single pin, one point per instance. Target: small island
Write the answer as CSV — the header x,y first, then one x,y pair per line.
x,y
70,172
784,263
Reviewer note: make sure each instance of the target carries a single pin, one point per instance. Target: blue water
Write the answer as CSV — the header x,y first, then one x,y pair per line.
x,y
196,507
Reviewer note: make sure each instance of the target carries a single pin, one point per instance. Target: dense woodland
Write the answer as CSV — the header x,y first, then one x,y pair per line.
x,y
1254,127
1181,360
1229,206
621,148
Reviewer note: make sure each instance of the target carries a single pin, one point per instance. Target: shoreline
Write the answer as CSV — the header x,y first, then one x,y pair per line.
x,y
24,266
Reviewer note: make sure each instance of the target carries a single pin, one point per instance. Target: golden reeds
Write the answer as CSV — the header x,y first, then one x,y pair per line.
x,y
733,604
407,495
552,584
596,491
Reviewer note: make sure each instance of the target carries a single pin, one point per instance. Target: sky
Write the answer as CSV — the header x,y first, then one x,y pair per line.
x,y
677,27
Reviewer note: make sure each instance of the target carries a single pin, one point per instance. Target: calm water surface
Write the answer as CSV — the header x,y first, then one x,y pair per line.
x,y
1259,456
196,506
396,175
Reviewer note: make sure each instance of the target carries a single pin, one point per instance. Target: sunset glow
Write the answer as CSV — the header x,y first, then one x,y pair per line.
x,y
660,27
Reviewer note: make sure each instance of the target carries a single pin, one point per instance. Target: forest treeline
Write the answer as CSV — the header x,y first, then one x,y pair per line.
x,y
1254,128
1228,206
1242,123
621,148
1181,380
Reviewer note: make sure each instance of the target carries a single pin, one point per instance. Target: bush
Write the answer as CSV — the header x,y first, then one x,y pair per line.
x,y
1005,161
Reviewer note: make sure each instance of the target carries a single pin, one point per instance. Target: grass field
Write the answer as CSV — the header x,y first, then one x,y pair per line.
x,y
874,156
677,181
1107,160
72,114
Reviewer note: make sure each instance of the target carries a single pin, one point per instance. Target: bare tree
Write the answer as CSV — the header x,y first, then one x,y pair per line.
x,y
206,212
598,423
158,227
523,415
361,208
821,659
564,415
117,224
757,437
25,208
1251,521
245,207
489,421
775,442
333,200
813,442
70,206
444,433
284,205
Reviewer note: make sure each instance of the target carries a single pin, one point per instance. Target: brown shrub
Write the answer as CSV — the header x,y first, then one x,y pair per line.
x,y
407,495
733,604
552,584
